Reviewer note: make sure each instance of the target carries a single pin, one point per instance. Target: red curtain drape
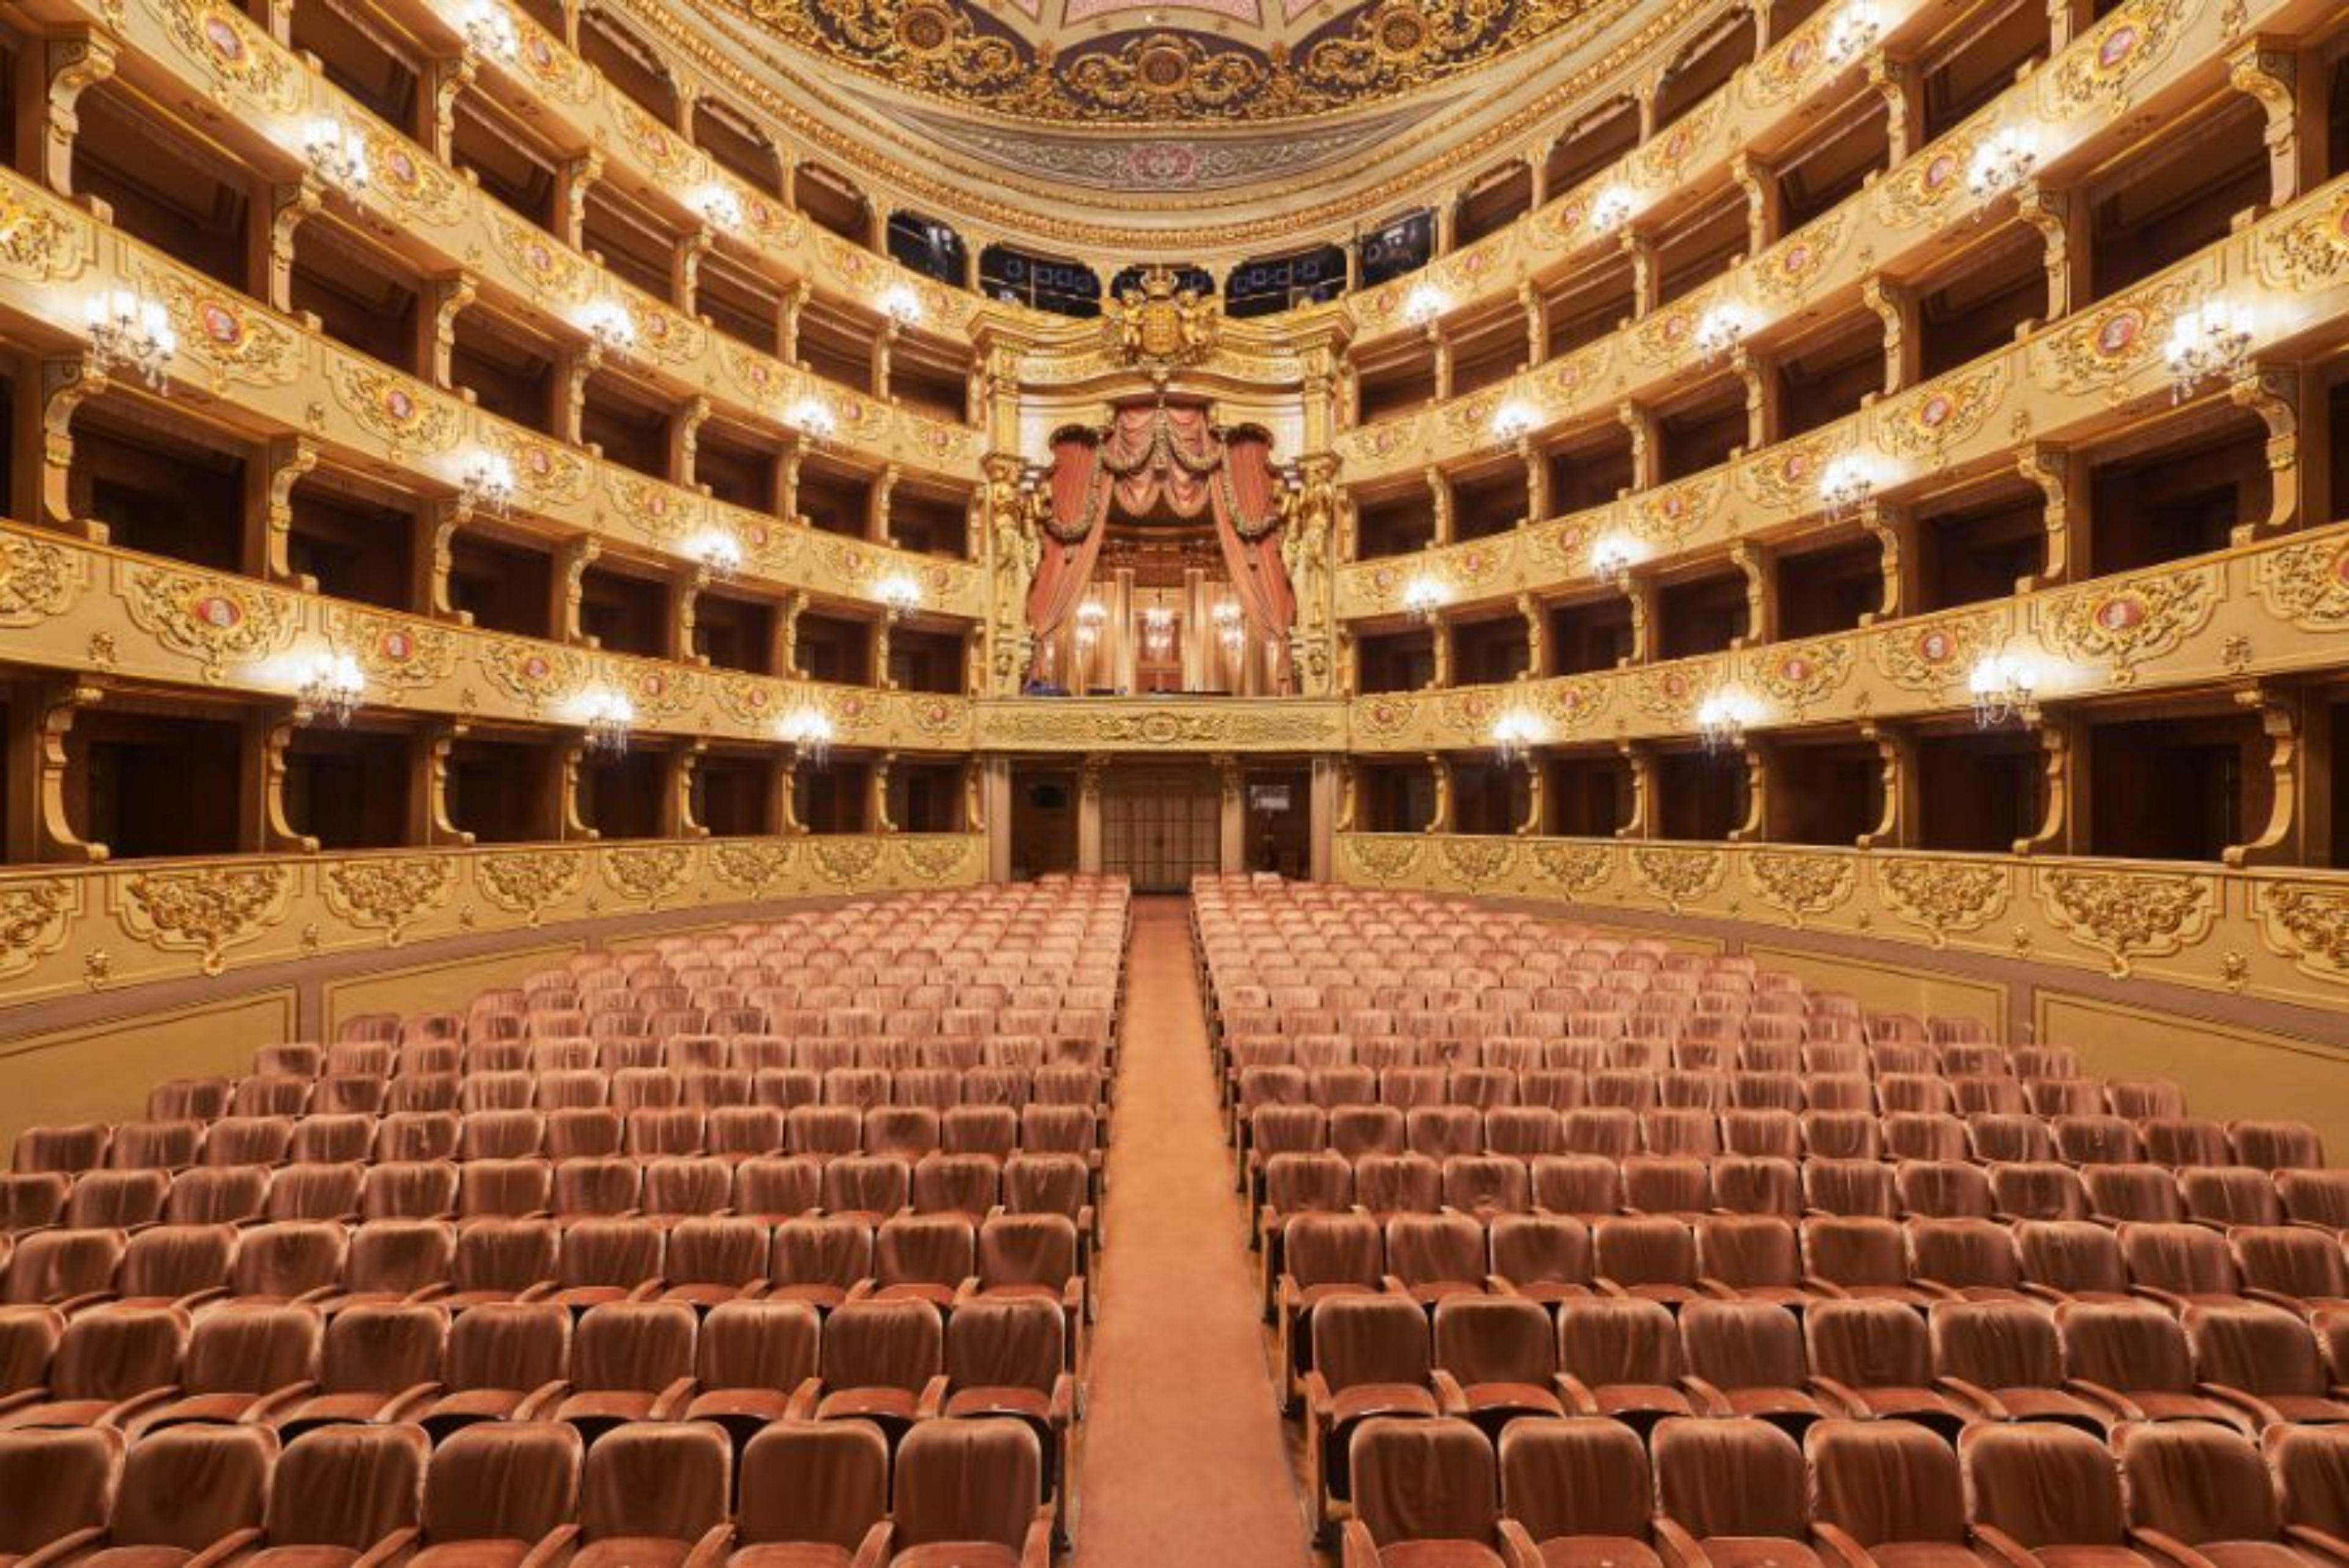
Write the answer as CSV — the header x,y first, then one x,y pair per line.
x,y
1248,527
1065,566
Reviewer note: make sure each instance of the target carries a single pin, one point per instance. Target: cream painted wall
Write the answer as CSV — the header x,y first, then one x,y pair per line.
x,y
1890,988
2226,1071
101,1072
436,987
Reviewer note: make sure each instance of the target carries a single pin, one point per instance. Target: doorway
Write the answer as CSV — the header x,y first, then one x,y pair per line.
x,y
1160,826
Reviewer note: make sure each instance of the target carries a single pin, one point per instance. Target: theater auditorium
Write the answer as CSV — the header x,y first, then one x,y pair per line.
x,y
1173,783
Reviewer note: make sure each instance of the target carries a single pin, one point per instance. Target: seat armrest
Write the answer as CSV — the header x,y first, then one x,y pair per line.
x,y
1720,1288
2250,1404
932,1402
669,1404
711,1548
1677,1547
1316,1396
872,1552
1842,1393
1840,1547
2111,1399
1981,1399
1450,1398
647,1291
397,1547
235,1543
21,1398
273,1404
195,1300
1062,1410
535,1404
2003,1546
1392,1285
2316,1542
2170,1300
804,1400
403,1406
2292,1305
1518,1548
139,1405
1037,1551
318,1297
2164,1548
1825,1287
1356,1549
1706,1394
63,1548
2048,1294
553,1548
1575,1395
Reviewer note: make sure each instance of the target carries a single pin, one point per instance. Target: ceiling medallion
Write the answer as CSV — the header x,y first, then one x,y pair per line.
x,y
1034,64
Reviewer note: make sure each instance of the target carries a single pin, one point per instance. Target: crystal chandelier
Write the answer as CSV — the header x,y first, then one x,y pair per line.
x,y
333,688
607,321
1854,31
1722,718
1612,558
813,418
487,482
2211,339
1158,632
1721,329
717,552
900,596
808,732
719,207
488,29
1231,625
1611,209
2003,161
131,332
608,717
2004,688
1091,616
1422,599
1846,485
1515,735
1513,420
1424,304
900,304
337,154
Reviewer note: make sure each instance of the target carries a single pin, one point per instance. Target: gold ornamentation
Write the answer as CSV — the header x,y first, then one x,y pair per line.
x,y
2132,621
235,339
562,275
1921,190
403,177
38,581
209,619
1137,724
1803,674
649,873
2104,348
2099,67
35,916
1385,860
1574,868
206,911
2305,249
1668,696
528,883
1667,516
844,862
1929,421
243,62
1160,325
936,862
2307,922
36,243
1942,897
1786,271
1803,885
389,892
1935,656
410,421
753,866
553,474
1477,862
2307,584
1575,703
2129,915
1786,478
400,654
1679,876
532,673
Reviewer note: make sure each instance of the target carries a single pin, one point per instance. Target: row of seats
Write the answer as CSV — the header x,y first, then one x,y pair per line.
x,y
1061,1115
651,1494
1734,1491
582,1258
746,1051
1380,1049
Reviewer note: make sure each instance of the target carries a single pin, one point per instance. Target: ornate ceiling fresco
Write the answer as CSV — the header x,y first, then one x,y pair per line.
x,y
1142,63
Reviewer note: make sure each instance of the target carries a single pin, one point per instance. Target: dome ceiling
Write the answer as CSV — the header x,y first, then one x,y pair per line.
x,y
1157,63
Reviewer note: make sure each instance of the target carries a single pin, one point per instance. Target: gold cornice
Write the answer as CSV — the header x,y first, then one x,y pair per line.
x,y
1153,725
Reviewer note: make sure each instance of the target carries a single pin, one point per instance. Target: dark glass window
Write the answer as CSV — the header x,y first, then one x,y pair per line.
x,y
1404,246
1268,283
1197,279
1064,288
929,247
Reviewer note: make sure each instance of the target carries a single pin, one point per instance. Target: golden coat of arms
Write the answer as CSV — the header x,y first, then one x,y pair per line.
x,y
1162,325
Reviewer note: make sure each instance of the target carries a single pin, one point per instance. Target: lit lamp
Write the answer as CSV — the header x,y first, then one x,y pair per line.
x,y
488,29
337,154
333,687
487,482
808,732
2006,157
609,719
1422,599
900,596
2211,339
1158,631
719,207
607,321
1612,558
813,418
1231,625
131,332
1722,718
1846,485
2004,688
1515,735
1424,304
900,304
1854,31
1091,616
1611,209
716,551
1722,329
1514,420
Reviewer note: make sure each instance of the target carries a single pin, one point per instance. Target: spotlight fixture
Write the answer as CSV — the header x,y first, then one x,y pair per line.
x,y
1722,718
1611,209
1612,557
1854,31
2003,161
131,332
487,482
608,322
609,719
900,596
716,551
2211,339
2003,688
1422,599
1722,329
808,732
333,687
900,304
1515,735
1846,485
337,154
1424,303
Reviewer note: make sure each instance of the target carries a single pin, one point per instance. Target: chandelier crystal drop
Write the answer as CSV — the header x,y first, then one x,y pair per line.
x,y
609,719
607,321
899,594
2004,688
488,29
2007,158
1612,557
333,688
487,482
2211,339
1854,31
719,207
808,732
1158,632
1722,718
900,304
1515,735
1846,485
337,154
1611,209
1422,599
813,418
1424,303
1722,329
717,552
131,332
1514,420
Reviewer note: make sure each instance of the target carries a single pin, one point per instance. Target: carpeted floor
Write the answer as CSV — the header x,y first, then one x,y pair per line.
x,y
1184,1460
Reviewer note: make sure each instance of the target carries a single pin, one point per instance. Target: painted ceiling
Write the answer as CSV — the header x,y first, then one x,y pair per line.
x,y
1142,63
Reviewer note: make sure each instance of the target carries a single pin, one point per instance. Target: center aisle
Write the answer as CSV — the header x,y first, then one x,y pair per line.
x,y
1185,1461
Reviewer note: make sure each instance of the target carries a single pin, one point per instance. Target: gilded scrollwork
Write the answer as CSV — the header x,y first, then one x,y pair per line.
x,y
1941,898
648,873
1803,674
2305,251
38,243
754,868
35,919
2129,915
1385,860
2126,623
2098,72
214,621
1934,658
2307,584
1925,424
1680,877
389,893
206,909
410,421
2307,922
936,862
38,581
529,882
1477,863
844,862
245,65
1803,885
234,340
1574,868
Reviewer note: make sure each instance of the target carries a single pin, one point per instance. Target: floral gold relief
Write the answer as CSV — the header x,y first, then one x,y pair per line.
x,y
2127,623
2307,584
1941,898
38,581
206,911
213,620
1803,885
35,919
2307,922
650,874
1574,868
753,867
844,862
391,893
1478,864
1680,878
2127,915
529,882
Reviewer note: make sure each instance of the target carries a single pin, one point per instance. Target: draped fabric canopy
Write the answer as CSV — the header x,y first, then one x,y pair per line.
x,y
1163,459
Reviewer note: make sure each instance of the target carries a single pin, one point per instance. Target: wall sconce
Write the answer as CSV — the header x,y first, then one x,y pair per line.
x,y
1231,625
1847,484
808,732
1158,632
1722,329
2003,161
608,717
1422,599
2003,688
333,687
131,332
1091,616
813,418
1612,558
900,304
1516,734
2211,339
1612,208
1722,718
1514,420
336,153
1854,31
719,207
1424,303
716,551
487,482
607,321
488,29
900,596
